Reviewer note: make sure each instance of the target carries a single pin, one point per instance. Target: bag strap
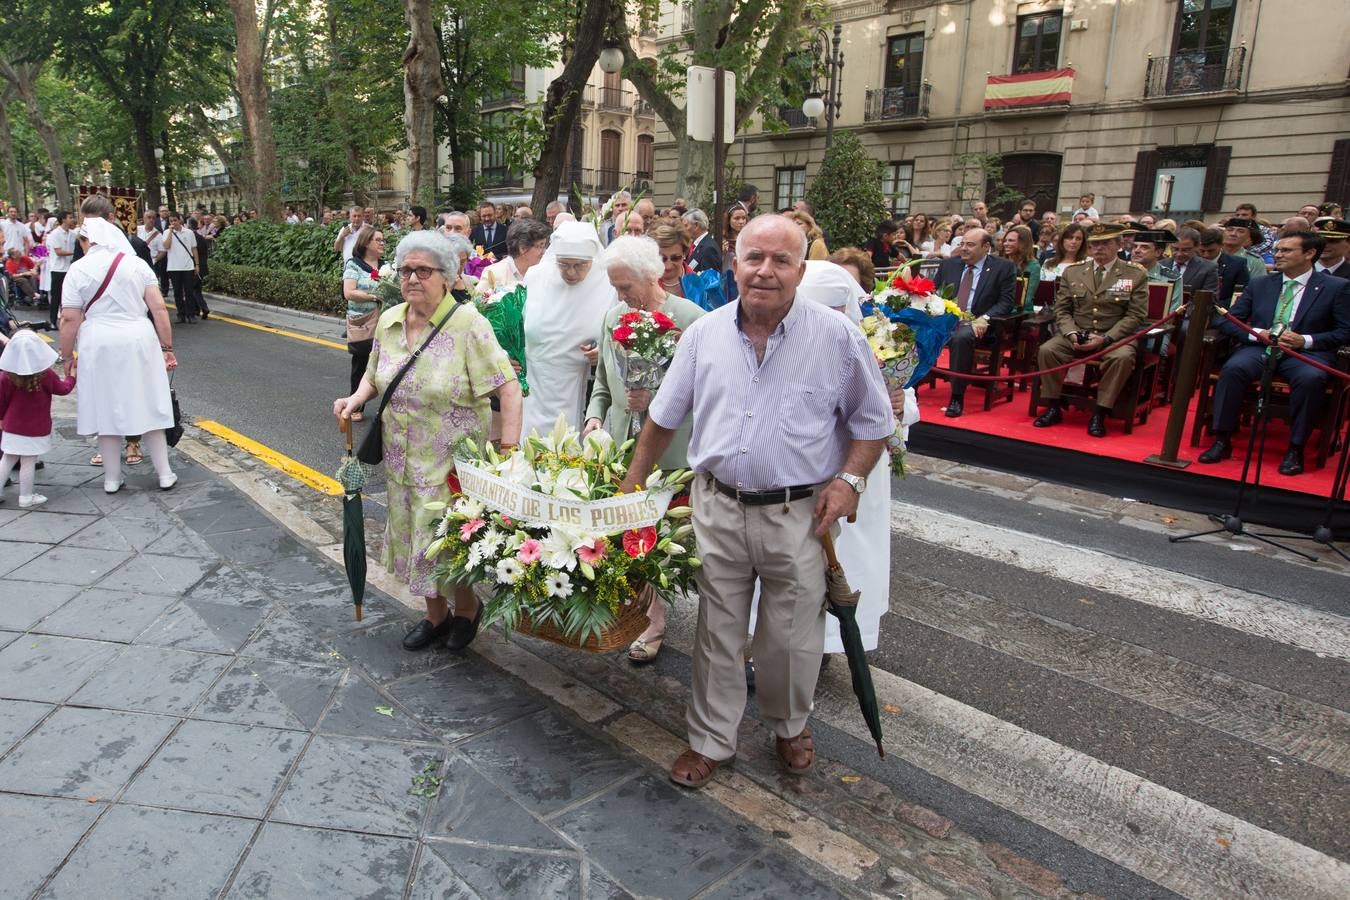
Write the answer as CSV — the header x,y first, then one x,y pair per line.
x,y
180,243
412,360
107,279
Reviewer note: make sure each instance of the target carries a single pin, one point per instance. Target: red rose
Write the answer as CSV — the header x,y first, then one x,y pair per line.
x,y
623,334
630,318
663,321
452,482
639,542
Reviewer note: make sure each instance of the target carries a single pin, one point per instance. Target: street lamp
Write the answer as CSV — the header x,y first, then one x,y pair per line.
x,y
611,60
826,55
159,159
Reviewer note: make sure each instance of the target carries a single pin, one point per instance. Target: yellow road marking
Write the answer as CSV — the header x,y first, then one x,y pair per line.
x,y
295,335
299,471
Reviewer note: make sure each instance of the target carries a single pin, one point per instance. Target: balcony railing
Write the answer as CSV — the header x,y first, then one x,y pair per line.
x,y
1212,71
602,180
793,117
513,97
686,17
896,103
219,179
615,99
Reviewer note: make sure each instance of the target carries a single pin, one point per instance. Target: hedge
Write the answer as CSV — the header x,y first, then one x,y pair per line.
x,y
290,248
294,290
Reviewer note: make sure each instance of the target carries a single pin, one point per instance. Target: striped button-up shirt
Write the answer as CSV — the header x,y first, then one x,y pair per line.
x,y
785,421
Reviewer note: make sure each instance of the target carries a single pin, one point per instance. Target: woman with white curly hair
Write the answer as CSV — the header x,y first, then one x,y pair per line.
x,y
455,366
635,268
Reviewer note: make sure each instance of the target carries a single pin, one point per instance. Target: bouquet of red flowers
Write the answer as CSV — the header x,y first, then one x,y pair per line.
x,y
648,340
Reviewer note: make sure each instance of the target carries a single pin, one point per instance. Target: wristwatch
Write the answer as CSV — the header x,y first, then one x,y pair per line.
x,y
857,482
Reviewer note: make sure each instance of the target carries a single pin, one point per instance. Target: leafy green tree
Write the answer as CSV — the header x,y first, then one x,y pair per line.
x,y
753,38
150,56
486,46
846,192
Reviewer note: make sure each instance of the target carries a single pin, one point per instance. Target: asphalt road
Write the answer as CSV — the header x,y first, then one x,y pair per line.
x,y
1115,665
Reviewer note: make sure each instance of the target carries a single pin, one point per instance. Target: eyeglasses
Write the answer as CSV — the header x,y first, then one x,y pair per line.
x,y
422,272
679,257
575,266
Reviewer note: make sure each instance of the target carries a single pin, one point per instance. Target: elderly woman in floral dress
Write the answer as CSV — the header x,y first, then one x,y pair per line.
x,y
444,398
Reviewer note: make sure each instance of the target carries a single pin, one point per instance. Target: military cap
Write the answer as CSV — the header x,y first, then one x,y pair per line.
x,y
1106,231
1251,225
1332,228
1155,236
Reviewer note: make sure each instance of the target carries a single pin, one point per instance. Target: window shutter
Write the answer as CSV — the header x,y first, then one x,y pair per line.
x,y
1216,178
1145,175
1338,179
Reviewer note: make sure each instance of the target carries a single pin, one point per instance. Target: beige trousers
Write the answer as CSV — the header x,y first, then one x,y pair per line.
x,y
738,543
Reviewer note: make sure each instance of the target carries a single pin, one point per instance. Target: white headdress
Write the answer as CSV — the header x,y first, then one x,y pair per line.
x,y
830,284
102,233
27,354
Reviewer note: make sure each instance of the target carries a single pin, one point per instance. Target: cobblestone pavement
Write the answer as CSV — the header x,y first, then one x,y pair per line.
x,y
187,709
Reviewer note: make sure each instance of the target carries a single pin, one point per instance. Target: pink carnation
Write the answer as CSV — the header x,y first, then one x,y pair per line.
x,y
529,551
470,528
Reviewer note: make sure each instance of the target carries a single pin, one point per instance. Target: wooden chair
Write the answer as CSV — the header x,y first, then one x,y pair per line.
x,y
998,356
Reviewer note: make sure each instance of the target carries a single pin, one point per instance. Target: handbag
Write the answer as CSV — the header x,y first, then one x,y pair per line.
x,y
173,435
362,329
371,451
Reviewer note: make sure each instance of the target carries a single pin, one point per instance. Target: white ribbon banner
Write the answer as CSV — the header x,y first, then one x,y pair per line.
x,y
639,510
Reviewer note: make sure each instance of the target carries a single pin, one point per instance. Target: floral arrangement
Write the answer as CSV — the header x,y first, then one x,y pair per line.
x,y
387,288
648,340
907,323
576,580
474,265
505,312
39,251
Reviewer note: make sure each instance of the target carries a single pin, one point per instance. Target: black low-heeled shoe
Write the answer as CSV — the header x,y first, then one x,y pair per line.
x,y
463,630
424,634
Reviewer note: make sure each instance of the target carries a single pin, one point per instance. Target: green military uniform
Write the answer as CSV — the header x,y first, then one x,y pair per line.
x,y
1115,307
1256,266
1162,272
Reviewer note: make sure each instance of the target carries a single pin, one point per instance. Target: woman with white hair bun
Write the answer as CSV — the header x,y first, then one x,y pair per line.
x,y
454,365
635,267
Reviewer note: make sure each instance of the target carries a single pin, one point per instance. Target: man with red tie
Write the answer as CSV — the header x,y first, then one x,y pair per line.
x,y
984,287
1294,308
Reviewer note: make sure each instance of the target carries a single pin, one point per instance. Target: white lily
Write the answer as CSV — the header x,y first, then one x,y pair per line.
x,y
560,549
571,483
599,444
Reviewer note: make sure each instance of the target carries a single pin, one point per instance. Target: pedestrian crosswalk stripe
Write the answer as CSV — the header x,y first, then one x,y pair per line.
x,y
1266,617
1275,720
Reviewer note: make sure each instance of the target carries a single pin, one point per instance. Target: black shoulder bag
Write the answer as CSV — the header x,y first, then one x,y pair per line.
x,y
371,451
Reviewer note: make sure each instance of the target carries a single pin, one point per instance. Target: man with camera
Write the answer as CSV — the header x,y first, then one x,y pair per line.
x,y
1098,302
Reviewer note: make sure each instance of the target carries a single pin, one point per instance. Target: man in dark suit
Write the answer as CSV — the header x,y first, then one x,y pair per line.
x,y
1294,308
1197,273
1232,271
1336,232
489,233
984,287
704,254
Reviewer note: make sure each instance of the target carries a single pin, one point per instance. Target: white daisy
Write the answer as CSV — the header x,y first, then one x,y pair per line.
x,y
559,585
508,571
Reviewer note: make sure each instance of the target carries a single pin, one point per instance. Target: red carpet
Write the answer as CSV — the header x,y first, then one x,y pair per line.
x,y
1010,421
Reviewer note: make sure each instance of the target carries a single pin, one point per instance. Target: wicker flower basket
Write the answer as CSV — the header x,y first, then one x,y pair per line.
x,y
628,624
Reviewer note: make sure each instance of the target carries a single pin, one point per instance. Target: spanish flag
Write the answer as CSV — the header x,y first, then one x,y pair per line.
x,y
1032,89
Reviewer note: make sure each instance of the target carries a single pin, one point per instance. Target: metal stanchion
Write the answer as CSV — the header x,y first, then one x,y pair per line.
x,y
1188,367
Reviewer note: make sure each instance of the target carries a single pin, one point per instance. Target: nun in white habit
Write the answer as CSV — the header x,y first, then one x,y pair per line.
x,y
566,299
863,546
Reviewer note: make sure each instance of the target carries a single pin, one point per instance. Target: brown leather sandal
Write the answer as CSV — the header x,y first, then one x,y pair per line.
x,y
798,754
692,769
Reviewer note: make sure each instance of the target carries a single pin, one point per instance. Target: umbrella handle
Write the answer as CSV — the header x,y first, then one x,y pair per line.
x,y
828,543
345,426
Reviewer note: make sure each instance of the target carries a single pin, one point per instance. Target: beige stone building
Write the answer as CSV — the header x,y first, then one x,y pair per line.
x,y
1236,100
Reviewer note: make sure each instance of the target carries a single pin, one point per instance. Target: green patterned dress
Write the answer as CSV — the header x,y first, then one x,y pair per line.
x,y
442,399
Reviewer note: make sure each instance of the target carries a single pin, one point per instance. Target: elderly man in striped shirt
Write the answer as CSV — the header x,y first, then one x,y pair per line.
x,y
790,413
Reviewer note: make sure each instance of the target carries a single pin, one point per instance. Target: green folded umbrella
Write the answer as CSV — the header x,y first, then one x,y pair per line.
x,y
353,475
841,601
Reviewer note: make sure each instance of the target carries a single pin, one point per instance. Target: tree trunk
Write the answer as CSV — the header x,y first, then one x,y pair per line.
x,y
257,119
422,84
23,76
695,176
143,129
563,100
12,185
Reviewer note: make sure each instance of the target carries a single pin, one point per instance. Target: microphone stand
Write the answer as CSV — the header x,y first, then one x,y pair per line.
x,y
1324,534
1233,523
